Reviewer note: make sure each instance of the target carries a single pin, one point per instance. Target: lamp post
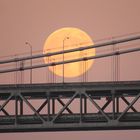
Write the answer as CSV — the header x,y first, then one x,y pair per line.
x,y
27,43
63,55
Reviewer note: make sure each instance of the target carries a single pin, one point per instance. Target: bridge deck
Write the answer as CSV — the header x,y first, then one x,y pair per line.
x,y
70,106
73,85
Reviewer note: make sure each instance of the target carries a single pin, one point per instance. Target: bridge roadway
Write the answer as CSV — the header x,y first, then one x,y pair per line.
x,y
70,106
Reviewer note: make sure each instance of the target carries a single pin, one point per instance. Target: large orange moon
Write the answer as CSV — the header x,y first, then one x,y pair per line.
x,y
65,39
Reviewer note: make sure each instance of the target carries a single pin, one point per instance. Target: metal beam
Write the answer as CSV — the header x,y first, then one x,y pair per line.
x,y
42,106
6,102
97,106
113,42
32,108
66,105
61,102
133,109
129,106
82,117
71,61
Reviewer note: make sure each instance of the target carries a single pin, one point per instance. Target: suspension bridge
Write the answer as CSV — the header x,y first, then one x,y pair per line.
x,y
76,106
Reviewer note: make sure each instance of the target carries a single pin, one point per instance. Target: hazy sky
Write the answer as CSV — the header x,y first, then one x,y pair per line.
x,y
35,20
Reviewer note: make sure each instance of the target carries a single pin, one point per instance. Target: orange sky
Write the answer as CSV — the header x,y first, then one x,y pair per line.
x,y
34,20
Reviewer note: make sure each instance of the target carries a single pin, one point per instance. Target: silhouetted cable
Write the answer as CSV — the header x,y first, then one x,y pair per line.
x,y
48,72
118,57
18,73
81,67
114,64
84,75
72,50
15,74
119,70
113,67
53,74
21,67
72,61
86,71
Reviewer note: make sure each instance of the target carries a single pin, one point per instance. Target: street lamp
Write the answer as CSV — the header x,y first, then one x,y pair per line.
x,y
63,54
27,43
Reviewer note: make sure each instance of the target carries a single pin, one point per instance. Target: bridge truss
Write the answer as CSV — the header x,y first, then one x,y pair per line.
x,y
70,106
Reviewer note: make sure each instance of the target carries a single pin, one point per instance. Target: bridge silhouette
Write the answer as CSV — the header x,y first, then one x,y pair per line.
x,y
77,106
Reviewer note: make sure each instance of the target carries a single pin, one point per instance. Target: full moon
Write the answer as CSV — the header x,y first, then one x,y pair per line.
x,y
66,39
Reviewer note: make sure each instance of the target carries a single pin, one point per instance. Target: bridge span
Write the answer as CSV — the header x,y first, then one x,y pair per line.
x,y
70,106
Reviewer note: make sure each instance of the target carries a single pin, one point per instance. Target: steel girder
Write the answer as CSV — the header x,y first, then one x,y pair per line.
x,y
71,106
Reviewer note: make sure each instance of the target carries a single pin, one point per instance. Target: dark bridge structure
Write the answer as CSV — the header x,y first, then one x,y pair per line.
x,y
70,106
66,118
